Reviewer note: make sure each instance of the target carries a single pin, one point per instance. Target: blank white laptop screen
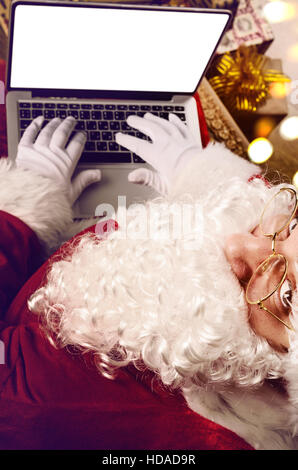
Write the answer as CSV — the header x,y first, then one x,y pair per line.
x,y
75,48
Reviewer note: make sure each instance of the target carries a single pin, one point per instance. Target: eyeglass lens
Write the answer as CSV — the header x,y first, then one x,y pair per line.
x,y
278,212
266,278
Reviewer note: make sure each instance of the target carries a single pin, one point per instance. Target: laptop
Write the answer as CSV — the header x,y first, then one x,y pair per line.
x,y
100,63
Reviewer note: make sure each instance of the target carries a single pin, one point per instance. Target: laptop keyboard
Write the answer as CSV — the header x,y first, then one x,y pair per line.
x,y
100,121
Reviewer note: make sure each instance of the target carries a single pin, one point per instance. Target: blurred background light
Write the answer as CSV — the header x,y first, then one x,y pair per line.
x,y
264,126
289,128
277,11
292,53
279,89
260,150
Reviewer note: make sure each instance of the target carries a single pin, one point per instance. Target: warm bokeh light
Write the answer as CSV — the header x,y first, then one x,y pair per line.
x,y
278,11
264,126
279,89
260,150
295,179
292,53
289,128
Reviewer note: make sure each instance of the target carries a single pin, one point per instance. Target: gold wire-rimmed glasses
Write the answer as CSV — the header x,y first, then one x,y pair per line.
x,y
272,272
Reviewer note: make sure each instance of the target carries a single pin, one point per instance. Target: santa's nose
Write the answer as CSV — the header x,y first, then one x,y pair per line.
x,y
245,252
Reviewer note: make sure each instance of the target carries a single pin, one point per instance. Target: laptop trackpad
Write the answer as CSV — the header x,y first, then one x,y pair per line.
x,y
113,189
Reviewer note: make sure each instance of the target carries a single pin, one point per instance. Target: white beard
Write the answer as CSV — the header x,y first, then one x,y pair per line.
x,y
179,311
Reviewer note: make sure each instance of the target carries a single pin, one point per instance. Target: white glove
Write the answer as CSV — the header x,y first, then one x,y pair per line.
x,y
172,147
45,153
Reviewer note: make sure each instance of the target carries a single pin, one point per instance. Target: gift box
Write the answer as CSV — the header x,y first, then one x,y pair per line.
x,y
4,16
253,88
249,28
221,125
261,122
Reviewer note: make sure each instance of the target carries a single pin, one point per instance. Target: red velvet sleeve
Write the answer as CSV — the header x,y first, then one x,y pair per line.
x,y
20,254
203,124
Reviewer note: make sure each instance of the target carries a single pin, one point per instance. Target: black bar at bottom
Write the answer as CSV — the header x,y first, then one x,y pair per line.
x,y
111,157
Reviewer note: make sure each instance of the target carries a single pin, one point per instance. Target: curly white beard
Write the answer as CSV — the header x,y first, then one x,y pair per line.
x,y
179,311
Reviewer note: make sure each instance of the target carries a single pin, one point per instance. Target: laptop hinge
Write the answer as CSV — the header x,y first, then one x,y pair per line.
x,y
70,94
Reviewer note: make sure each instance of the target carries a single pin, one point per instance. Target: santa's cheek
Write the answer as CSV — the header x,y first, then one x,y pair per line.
x,y
240,269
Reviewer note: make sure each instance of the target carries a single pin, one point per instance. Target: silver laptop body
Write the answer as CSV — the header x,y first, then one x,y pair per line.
x,y
103,62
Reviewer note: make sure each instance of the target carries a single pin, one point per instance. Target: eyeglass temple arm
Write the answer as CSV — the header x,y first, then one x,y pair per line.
x,y
262,306
273,240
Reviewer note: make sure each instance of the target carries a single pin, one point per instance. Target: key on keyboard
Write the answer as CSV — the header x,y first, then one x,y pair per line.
x,y
101,121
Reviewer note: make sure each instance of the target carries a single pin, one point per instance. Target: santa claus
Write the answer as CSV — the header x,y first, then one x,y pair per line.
x,y
212,311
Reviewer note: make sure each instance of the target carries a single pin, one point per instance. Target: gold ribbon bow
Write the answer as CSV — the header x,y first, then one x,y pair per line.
x,y
243,83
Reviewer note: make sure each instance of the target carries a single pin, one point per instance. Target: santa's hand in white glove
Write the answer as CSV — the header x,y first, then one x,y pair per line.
x,y
45,152
172,147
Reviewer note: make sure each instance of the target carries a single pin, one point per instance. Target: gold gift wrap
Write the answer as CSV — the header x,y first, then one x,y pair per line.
x,y
221,125
261,122
253,89
243,79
